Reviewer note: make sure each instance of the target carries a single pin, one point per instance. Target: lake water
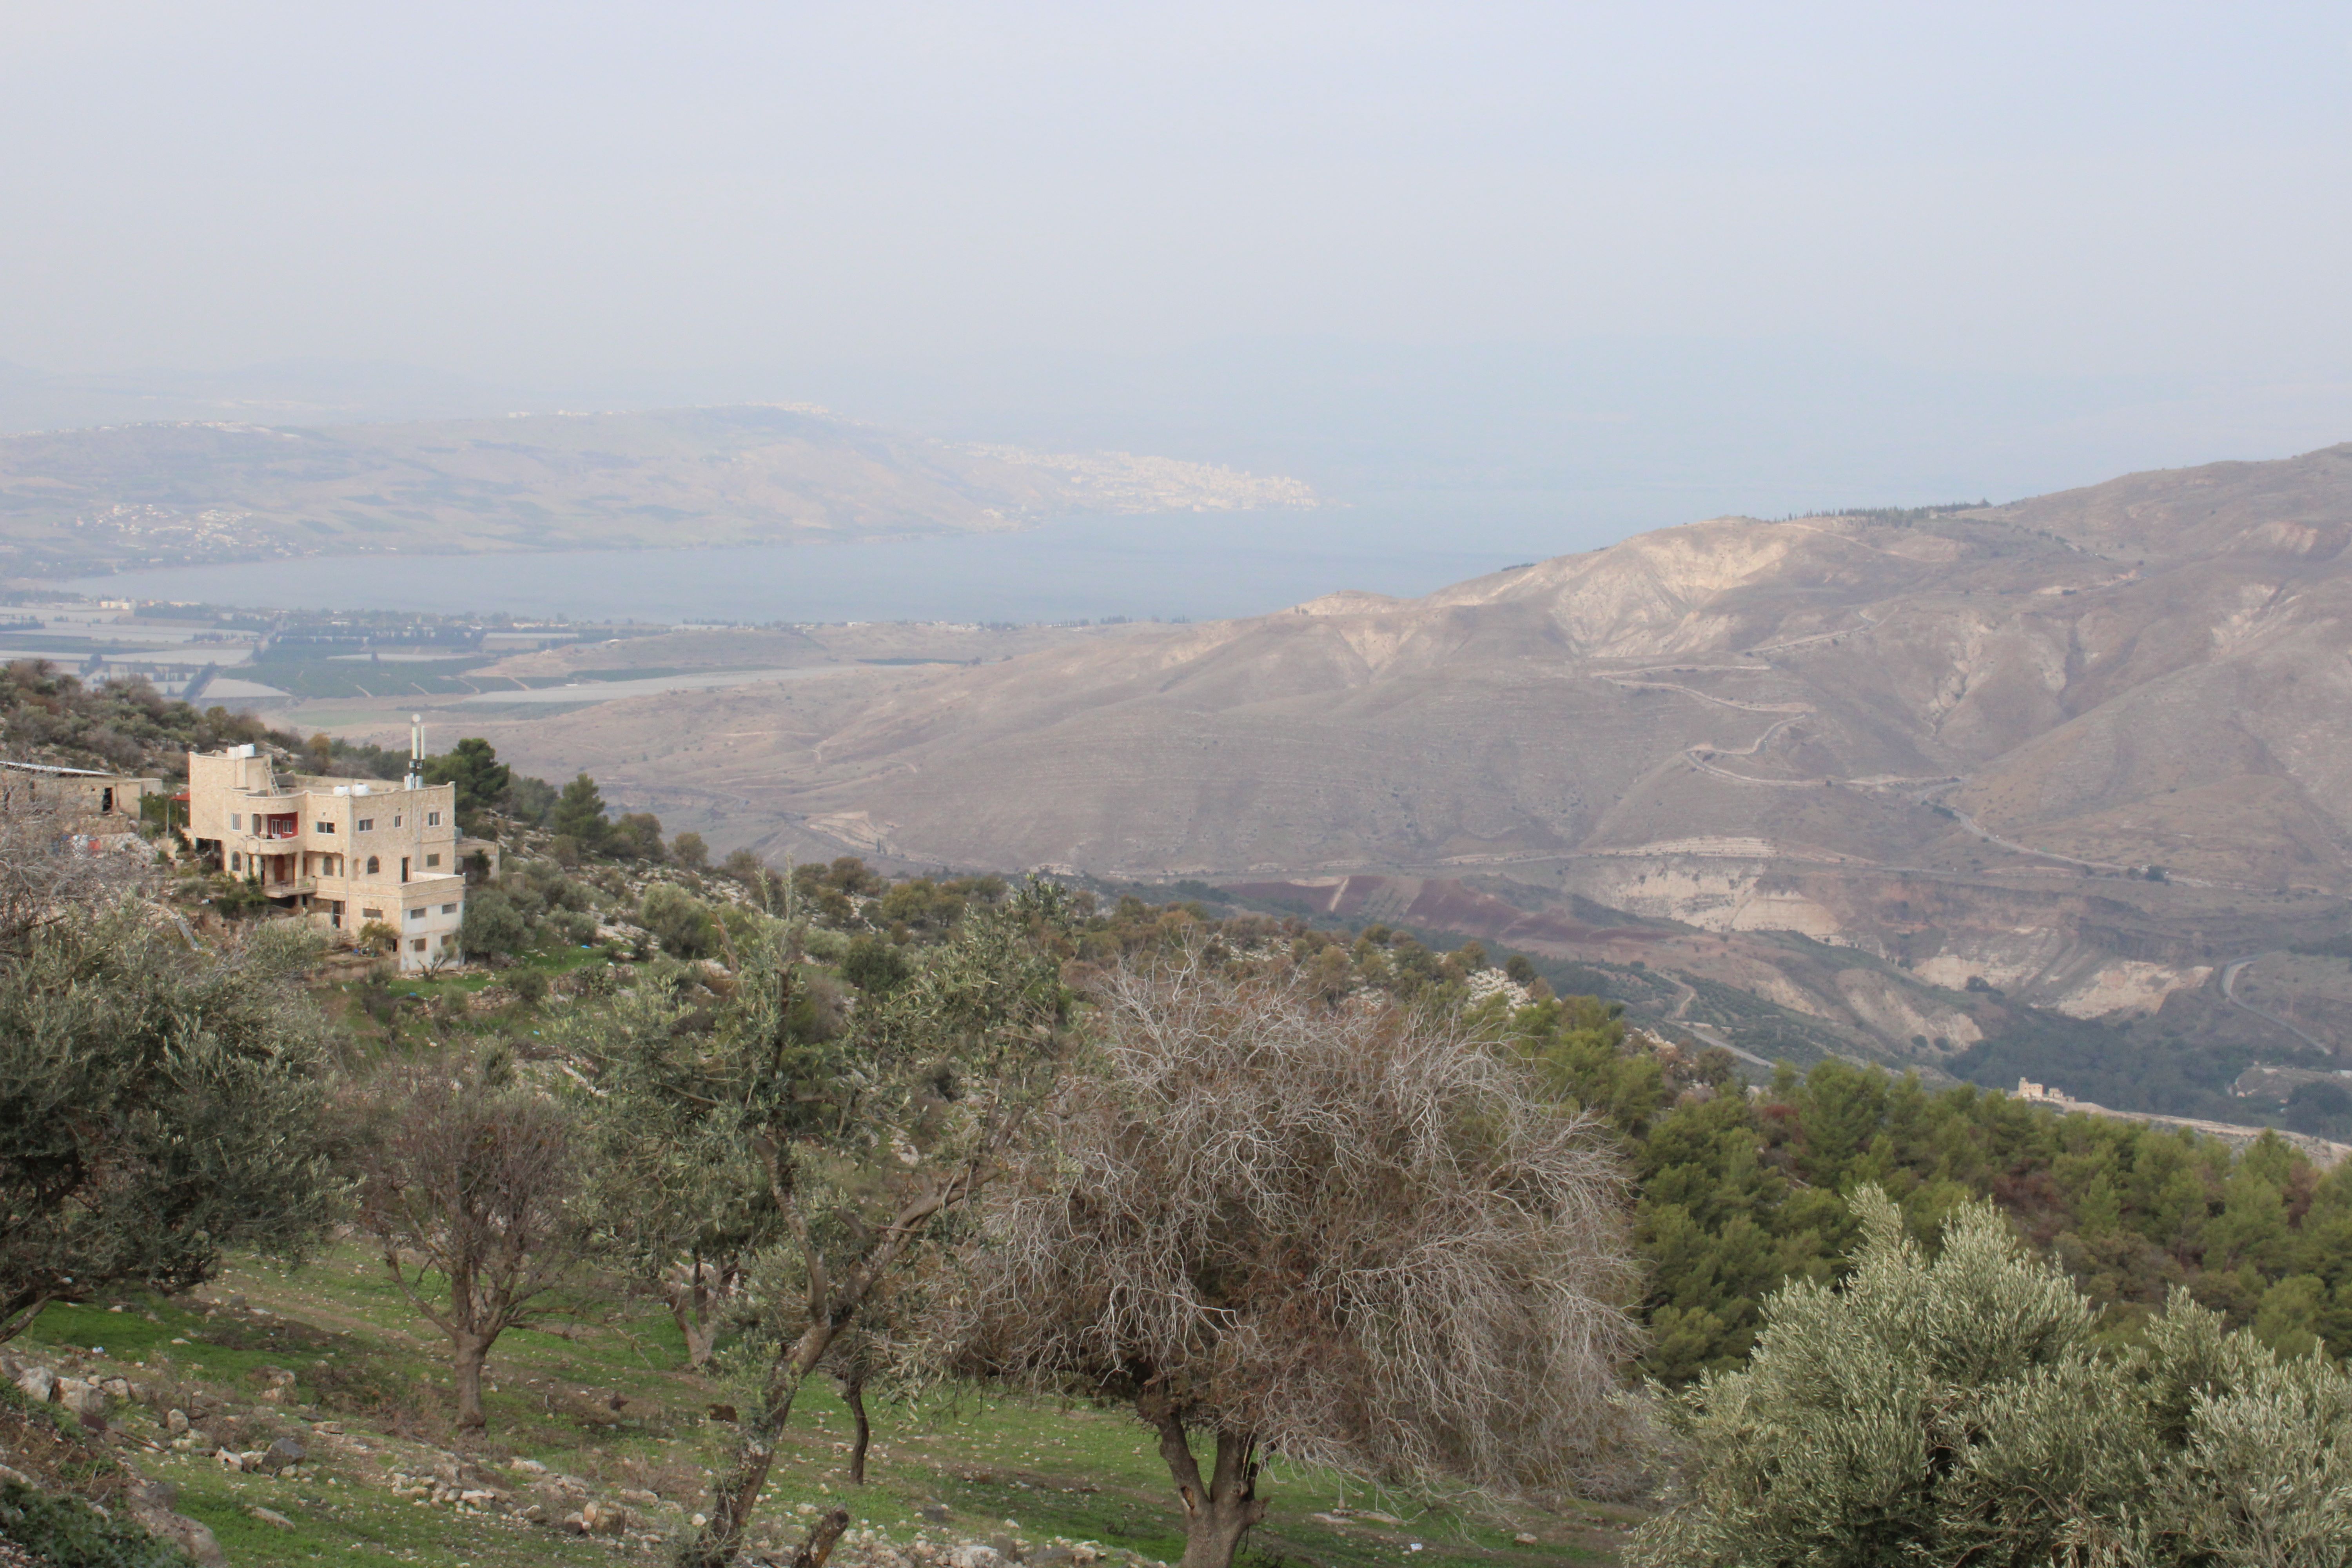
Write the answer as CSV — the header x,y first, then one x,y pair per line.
x,y
1196,565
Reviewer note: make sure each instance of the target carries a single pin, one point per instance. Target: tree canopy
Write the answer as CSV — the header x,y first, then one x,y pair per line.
x,y
470,1192
1735,1194
473,766
158,1107
1959,1407
579,813
821,1153
1357,1236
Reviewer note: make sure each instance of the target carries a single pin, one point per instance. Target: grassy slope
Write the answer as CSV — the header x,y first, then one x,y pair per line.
x,y
364,1360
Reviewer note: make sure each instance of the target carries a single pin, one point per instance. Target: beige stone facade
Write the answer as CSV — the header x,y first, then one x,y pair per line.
x,y
347,852
83,801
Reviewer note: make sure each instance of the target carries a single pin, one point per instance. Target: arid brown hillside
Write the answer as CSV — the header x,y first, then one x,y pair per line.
x,y
1954,742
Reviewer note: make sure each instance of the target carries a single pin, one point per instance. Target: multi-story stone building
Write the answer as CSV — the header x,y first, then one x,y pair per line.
x,y
350,853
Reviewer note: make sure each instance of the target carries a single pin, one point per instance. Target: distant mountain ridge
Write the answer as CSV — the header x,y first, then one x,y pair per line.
x,y
163,494
2082,751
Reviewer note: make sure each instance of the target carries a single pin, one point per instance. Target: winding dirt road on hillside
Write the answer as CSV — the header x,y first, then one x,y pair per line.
x,y
2230,972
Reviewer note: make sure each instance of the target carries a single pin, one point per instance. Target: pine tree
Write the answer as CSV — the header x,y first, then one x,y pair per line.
x,y
474,767
579,813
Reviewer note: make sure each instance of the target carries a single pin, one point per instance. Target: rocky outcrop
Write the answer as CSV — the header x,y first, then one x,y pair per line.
x,y
149,1502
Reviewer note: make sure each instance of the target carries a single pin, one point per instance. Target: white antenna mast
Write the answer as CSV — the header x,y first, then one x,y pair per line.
x,y
415,750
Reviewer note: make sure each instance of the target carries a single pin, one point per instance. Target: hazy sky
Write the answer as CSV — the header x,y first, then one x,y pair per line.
x,y
951,212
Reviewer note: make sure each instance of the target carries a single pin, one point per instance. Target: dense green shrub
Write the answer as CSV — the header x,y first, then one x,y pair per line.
x,y
494,926
68,1533
156,1107
1739,1194
681,922
874,965
635,836
1961,1408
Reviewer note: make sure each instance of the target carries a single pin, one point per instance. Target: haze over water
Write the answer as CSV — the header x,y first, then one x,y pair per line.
x,y
1197,565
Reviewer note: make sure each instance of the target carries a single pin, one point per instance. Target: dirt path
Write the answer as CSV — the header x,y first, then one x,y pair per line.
x,y
1707,1034
2230,972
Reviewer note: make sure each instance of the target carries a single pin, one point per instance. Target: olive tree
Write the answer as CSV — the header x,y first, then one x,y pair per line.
x,y
470,1196
1356,1237
864,1139
682,1201
160,1102
1963,1408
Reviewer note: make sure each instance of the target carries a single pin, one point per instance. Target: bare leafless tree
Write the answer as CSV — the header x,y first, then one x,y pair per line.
x,y
49,874
1352,1236
473,1180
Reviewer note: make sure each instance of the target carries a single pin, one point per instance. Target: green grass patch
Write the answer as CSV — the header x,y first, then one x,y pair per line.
x,y
607,1396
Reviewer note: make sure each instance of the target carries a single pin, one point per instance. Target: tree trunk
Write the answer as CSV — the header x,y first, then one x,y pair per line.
x,y
469,1351
687,1308
821,1537
736,1493
20,1312
853,1394
1221,1510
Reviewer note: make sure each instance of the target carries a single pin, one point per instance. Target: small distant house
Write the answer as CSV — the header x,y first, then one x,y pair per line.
x,y
100,808
348,853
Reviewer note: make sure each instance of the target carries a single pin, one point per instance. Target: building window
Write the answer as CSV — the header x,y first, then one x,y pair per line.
x,y
448,909
418,946
371,914
374,865
236,820
235,861
432,819
433,860
364,824
106,800
418,913
395,819
322,827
